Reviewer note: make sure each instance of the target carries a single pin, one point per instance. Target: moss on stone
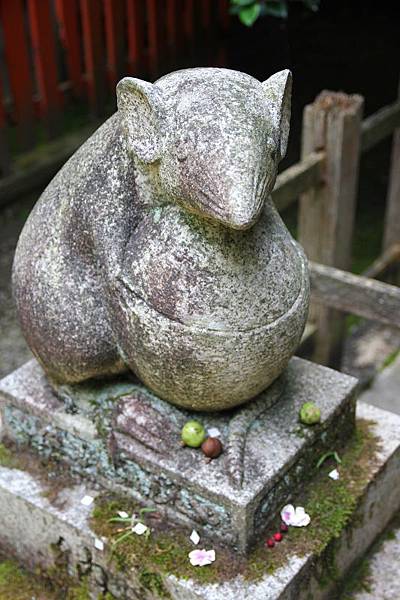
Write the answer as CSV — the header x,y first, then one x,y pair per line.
x,y
6,457
79,592
17,584
390,359
331,505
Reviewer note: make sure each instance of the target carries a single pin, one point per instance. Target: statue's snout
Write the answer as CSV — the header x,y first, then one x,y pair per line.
x,y
241,205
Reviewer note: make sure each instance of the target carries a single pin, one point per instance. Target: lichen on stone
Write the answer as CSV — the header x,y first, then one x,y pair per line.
x,y
332,506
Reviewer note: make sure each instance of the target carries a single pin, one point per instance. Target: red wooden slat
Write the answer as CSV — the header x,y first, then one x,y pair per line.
x,y
136,37
188,22
224,16
153,50
94,53
171,19
44,58
67,12
114,28
206,13
18,67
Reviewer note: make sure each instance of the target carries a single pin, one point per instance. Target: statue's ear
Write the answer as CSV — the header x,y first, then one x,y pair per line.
x,y
278,91
142,109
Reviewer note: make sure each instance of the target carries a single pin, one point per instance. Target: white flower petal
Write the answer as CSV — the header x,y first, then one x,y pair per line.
x,y
99,544
211,555
295,517
334,474
87,500
300,518
214,432
123,514
194,537
201,558
287,513
139,528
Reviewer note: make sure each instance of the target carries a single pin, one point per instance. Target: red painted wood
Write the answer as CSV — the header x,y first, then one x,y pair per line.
x,y
188,21
171,18
206,13
136,37
224,16
94,53
114,13
16,55
67,12
44,59
153,37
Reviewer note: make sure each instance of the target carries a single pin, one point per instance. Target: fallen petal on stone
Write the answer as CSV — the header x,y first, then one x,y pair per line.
x,y
123,514
201,558
300,518
334,474
99,544
295,517
87,500
139,528
287,513
194,537
214,432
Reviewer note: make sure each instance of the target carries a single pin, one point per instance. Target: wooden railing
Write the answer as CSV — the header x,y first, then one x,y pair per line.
x,y
325,182
58,53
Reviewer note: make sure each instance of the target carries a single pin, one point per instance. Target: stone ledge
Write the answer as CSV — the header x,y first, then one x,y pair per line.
x,y
67,530
277,453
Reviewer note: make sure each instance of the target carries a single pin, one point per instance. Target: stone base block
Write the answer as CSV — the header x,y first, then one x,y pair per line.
x,y
123,437
41,533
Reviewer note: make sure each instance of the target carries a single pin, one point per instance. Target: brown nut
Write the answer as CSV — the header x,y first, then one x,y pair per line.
x,y
212,447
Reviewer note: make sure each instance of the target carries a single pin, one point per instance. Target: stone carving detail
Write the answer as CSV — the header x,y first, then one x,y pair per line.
x,y
157,249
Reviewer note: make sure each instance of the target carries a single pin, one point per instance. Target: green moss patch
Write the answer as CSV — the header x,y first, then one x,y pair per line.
x,y
17,584
331,505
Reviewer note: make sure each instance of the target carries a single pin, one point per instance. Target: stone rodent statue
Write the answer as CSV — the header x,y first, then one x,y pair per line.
x,y
157,249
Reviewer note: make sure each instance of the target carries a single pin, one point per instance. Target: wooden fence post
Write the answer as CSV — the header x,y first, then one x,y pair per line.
x,y
391,234
326,213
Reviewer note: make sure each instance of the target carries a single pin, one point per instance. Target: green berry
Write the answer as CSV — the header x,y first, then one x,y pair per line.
x,y
310,414
193,434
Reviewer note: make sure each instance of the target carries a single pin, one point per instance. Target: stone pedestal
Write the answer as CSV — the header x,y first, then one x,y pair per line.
x,y
125,439
48,534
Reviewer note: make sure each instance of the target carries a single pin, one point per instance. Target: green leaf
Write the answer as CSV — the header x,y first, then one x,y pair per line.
x,y
276,8
121,539
142,511
249,14
323,458
242,2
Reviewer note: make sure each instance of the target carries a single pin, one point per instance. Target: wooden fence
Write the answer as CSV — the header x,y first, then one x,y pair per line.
x,y
325,182
55,52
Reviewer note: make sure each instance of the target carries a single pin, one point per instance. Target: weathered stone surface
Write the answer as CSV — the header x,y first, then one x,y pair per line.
x,y
136,446
65,533
157,248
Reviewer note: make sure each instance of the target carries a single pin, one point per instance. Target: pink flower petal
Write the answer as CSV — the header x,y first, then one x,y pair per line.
x,y
201,558
287,513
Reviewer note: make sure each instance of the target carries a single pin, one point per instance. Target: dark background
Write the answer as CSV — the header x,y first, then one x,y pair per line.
x,y
350,46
